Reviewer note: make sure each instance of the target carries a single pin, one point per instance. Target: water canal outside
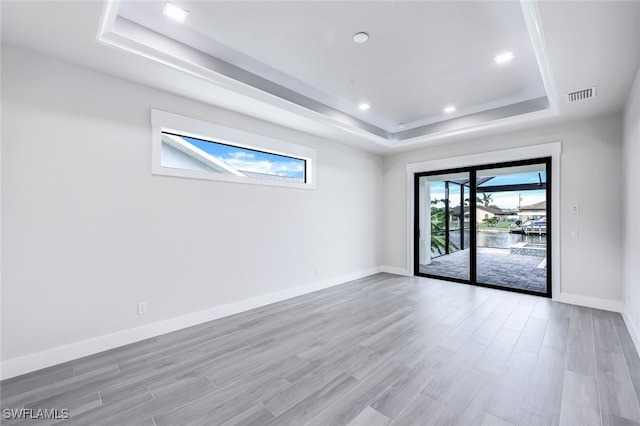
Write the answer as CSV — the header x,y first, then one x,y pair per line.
x,y
494,239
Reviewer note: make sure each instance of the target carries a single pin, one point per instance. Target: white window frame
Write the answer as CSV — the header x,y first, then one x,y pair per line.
x,y
162,121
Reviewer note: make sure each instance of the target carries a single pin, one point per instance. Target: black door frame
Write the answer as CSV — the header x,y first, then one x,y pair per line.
x,y
472,170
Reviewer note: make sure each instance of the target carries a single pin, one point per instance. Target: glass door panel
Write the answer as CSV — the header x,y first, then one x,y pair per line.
x,y
511,227
442,225
486,225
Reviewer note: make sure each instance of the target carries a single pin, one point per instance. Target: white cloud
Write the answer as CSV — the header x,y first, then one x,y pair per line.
x,y
509,200
239,155
248,161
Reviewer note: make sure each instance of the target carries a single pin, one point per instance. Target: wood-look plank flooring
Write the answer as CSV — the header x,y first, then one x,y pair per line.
x,y
382,350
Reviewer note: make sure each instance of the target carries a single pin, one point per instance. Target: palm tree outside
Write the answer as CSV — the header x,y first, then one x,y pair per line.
x,y
486,199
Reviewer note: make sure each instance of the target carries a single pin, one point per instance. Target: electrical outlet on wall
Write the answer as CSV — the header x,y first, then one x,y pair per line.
x,y
142,308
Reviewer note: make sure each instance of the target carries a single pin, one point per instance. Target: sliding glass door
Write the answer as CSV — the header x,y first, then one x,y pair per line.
x,y
443,231
486,225
511,231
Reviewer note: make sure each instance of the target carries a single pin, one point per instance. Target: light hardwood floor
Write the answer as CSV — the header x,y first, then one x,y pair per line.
x,y
377,351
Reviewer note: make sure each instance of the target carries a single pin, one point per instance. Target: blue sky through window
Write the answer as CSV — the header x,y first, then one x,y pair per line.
x,y
505,200
250,160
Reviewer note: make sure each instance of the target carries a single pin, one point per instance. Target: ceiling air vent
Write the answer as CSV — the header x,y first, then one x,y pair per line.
x,y
581,95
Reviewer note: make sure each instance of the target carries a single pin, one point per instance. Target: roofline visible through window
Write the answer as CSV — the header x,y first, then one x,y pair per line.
x,y
174,124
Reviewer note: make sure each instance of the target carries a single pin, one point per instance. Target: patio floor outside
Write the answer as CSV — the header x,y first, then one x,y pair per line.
x,y
495,266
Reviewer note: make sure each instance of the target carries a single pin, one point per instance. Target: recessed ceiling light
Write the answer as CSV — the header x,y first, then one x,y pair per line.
x,y
174,12
449,109
503,57
402,125
364,107
361,37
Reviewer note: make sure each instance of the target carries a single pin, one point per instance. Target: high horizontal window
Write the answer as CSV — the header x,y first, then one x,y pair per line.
x,y
196,154
191,148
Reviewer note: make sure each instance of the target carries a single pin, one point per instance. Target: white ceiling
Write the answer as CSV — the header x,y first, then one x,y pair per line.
x,y
295,63
421,56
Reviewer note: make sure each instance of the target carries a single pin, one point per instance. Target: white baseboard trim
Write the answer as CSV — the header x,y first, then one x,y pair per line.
x,y
589,302
395,270
634,331
36,361
607,305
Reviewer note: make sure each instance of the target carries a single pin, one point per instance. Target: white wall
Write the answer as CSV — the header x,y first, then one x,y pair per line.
x,y
88,232
631,151
590,175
